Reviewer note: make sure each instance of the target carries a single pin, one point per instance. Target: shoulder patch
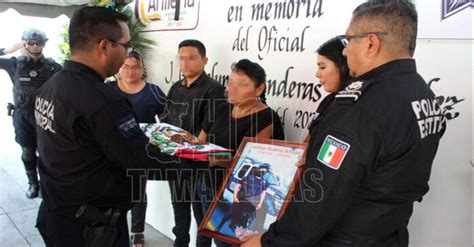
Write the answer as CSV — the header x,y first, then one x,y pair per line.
x,y
332,152
128,126
353,91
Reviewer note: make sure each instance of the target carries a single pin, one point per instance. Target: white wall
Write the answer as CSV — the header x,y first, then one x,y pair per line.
x,y
444,51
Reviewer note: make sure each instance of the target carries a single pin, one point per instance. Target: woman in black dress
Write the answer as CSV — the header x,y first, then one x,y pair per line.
x,y
247,114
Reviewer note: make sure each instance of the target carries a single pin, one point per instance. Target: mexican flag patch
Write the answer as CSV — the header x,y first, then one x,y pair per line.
x,y
332,152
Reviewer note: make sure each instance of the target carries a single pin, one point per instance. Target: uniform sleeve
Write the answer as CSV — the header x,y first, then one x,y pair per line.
x,y
337,160
9,65
118,134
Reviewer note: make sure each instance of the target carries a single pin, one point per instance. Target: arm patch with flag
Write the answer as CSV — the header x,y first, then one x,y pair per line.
x,y
332,152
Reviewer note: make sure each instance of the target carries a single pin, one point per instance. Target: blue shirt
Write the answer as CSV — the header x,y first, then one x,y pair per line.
x,y
147,103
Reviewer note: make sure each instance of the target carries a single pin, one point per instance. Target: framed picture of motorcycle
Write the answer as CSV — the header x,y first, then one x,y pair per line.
x,y
256,190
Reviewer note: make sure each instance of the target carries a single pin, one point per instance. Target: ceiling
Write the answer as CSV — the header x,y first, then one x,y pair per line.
x,y
43,8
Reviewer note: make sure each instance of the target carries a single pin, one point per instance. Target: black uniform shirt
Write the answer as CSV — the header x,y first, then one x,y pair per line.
x,y
87,138
369,158
192,108
27,76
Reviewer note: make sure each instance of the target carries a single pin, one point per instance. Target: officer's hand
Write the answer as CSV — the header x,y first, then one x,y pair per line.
x,y
301,162
13,48
258,206
236,200
251,240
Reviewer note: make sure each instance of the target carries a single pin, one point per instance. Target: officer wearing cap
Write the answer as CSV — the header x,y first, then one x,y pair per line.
x,y
370,154
28,73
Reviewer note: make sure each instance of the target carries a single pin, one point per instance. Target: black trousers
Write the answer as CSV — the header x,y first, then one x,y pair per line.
x,y
25,135
64,229
183,197
138,213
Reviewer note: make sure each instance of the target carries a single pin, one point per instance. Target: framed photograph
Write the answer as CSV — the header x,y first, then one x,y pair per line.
x,y
256,190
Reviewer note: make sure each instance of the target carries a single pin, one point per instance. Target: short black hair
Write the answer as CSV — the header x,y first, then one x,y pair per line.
x,y
254,71
194,43
398,18
89,25
332,50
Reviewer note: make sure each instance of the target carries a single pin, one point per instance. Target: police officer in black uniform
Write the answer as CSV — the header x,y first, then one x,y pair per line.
x,y
370,153
88,139
28,73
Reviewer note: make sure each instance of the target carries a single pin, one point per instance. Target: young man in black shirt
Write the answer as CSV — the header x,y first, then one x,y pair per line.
x,y
192,104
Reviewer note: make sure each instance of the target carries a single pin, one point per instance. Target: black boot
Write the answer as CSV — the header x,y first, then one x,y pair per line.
x,y
33,190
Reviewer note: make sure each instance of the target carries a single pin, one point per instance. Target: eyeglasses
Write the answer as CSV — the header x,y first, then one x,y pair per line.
x,y
32,43
345,39
128,48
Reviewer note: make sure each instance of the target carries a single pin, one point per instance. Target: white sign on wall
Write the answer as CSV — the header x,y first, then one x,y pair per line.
x,y
162,15
445,19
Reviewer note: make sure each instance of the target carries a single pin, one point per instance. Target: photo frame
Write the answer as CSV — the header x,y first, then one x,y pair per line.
x,y
256,190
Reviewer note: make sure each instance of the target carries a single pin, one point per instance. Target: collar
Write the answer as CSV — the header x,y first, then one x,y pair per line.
x,y
28,59
357,86
202,78
80,68
401,66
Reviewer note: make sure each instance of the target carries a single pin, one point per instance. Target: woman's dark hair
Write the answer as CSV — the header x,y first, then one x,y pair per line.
x,y
138,56
254,71
332,50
